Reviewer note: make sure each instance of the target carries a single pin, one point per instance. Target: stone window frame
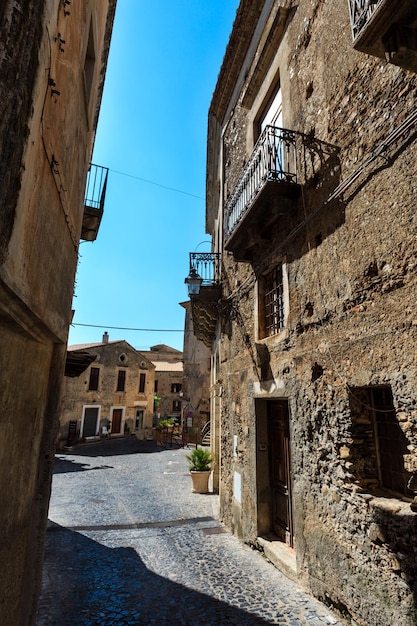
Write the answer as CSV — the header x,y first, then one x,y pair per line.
x,y
369,432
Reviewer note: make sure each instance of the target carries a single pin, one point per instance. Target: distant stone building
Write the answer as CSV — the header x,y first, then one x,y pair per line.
x,y
168,363
53,58
311,316
113,397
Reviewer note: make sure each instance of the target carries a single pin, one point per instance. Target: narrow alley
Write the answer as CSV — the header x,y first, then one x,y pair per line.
x,y
128,543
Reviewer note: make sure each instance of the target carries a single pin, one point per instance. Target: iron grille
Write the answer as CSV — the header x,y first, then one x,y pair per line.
x,y
274,302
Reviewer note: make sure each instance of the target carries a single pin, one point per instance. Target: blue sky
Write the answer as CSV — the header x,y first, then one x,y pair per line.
x,y
163,66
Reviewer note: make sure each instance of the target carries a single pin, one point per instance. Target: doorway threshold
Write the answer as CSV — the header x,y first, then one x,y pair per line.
x,y
280,555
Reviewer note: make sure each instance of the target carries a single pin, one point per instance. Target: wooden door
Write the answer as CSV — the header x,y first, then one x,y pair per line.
x,y
280,470
116,421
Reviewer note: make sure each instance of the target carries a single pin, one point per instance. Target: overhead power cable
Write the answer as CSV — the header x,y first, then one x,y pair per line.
x,y
148,330
152,182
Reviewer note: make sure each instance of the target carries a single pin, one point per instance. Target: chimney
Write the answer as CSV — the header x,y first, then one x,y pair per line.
x,y
106,337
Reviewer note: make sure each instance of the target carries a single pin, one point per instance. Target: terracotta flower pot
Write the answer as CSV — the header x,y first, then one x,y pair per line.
x,y
200,481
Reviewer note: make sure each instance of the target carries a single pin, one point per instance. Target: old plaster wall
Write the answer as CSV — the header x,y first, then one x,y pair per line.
x,y
19,62
352,282
46,144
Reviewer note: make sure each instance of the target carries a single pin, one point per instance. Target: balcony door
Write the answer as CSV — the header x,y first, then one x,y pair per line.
x,y
272,115
274,153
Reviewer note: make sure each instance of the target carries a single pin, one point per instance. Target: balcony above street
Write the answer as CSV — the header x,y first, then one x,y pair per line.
x,y
386,29
95,194
266,190
205,291
266,197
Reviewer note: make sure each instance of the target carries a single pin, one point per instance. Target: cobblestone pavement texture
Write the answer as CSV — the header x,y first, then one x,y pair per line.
x,y
128,543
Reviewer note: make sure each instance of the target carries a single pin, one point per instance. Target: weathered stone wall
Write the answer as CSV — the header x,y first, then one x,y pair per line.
x,y
352,285
196,375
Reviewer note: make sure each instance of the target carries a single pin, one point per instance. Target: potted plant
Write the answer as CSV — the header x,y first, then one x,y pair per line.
x,y
200,463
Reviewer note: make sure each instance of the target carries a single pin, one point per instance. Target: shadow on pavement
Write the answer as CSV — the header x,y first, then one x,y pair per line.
x,y
114,447
63,466
86,583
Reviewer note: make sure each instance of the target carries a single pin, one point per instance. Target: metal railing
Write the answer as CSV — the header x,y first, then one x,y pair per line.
x,y
205,433
272,159
95,188
208,266
360,13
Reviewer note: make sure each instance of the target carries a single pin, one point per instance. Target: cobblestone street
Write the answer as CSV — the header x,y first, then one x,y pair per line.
x,y
128,543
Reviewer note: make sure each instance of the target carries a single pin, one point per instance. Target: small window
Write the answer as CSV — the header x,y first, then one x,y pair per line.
x,y
379,443
272,313
142,382
94,378
121,380
176,387
176,406
155,386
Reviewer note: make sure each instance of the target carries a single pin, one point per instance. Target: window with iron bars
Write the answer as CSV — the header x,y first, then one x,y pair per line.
x,y
273,302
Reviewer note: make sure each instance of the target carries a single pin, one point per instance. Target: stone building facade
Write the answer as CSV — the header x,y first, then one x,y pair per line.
x,y
112,398
168,363
311,197
53,58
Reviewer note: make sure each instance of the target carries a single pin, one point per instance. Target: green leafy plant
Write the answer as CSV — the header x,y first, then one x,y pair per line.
x,y
200,460
165,423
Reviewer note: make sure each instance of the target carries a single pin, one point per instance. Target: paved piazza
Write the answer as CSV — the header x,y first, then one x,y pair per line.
x,y
128,543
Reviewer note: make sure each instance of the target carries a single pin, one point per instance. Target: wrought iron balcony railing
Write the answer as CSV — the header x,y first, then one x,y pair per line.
x,y
208,266
205,291
386,29
95,189
273,160
95,194
361,12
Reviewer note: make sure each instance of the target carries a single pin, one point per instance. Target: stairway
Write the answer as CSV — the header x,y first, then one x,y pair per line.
x,y
205,435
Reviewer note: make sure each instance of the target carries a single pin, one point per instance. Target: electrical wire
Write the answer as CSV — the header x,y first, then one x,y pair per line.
x,y
152,182
148,330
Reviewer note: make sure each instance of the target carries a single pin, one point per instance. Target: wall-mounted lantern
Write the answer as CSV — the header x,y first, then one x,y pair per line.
x,y
193,282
